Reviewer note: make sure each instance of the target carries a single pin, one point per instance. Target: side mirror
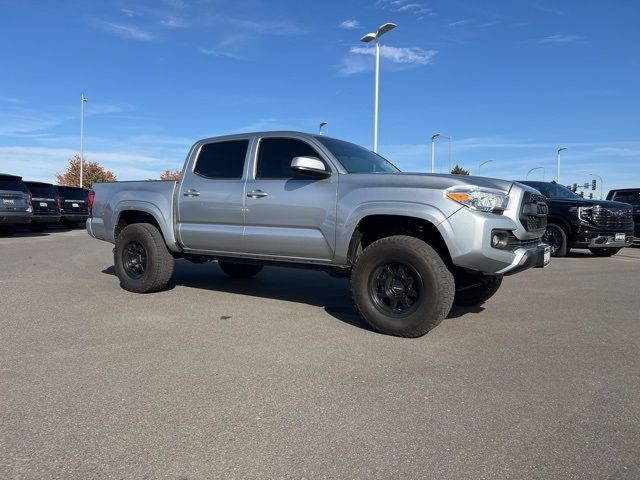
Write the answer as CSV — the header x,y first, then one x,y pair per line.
x,y
310,166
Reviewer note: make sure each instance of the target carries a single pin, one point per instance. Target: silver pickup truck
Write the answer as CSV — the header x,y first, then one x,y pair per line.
x,y
413,244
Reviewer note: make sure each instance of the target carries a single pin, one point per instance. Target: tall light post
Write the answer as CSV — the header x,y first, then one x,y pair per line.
x,y
534,169
322,124
434,137
83,100
601,182
366,39
483,163
558,162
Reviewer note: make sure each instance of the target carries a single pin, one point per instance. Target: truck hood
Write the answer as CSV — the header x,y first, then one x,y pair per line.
x,y
585,202
444,181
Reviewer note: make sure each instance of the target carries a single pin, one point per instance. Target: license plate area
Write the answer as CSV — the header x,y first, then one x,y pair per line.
x,y
74,205
546,258
43,204
8,201
620,237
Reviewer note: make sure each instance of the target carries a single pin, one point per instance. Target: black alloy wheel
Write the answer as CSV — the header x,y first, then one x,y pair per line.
x,y
134,259
395,289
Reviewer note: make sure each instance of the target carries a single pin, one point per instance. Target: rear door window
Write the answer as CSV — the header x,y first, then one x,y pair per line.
x,y
222,159
42,191
72,194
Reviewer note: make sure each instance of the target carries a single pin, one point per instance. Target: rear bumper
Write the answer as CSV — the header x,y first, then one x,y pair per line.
x,y
45,218
78,217
12,218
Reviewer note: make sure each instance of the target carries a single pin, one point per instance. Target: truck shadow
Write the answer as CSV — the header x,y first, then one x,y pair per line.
x,y
309,287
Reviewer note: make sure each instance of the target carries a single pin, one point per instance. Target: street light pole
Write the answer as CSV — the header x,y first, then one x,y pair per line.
x,y
433,152
83,100
366,39
322,124
558,162
483,163
533,169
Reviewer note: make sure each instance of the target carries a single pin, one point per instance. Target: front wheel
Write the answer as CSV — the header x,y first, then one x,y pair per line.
x,y
240,270
475,289
142,261
401,286
604,252
555,237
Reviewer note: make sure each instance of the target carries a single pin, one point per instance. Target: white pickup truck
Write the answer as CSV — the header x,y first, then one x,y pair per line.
x,y
413,244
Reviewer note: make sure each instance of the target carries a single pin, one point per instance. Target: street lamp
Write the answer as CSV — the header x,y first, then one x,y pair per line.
x,y
434,137
601,182
558,162
83,100
322,124
533,169
483,163
366,39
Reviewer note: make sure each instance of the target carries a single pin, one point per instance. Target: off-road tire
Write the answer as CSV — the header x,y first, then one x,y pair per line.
x,y
562,248
159,262
604,252
435,282
240,270
475,289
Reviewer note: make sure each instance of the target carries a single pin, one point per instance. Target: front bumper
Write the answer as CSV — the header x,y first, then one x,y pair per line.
x,y
468,237
592,238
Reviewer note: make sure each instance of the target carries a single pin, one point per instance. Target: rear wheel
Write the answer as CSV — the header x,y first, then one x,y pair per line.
x,y
555,237
475,289
604,252
401,286
240,270
142,261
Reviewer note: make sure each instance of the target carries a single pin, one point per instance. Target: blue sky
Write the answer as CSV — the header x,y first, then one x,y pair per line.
x,y
510,81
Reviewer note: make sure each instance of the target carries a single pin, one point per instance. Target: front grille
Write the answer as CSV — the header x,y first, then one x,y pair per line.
x,y
612,218
533,212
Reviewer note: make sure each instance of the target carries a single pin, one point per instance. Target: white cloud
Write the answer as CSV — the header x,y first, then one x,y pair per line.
x,y
173,22
460,23
349,24
399,54
562,39
128,31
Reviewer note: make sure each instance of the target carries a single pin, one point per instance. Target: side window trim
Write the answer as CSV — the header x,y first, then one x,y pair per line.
x,y
256,158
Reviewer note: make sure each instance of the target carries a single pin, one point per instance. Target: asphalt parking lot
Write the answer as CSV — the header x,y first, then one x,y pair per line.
x,y
277,377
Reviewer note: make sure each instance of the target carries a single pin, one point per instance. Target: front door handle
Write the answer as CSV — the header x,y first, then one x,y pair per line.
x,y
257,194
191,193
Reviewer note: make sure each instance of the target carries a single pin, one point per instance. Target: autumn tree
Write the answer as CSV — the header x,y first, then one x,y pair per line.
x,y
458,170
169,175
92,172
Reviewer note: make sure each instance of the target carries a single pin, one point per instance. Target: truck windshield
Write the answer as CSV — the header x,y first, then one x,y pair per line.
x,y
553,190
356,159
632,197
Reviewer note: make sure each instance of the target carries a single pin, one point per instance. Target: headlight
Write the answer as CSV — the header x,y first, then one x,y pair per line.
x,y
585,214
481,199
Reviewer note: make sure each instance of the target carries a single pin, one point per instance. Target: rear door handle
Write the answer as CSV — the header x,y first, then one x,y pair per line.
x,y
191,193
257,194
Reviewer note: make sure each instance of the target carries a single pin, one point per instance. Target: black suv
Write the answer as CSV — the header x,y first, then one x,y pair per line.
x,y
46,205
602,226
73,205
15,203
632,197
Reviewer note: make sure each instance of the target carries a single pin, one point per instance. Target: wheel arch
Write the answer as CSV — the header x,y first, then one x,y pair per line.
x,y
143,213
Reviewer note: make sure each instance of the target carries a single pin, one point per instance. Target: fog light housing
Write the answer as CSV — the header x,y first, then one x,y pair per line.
x,y
499,239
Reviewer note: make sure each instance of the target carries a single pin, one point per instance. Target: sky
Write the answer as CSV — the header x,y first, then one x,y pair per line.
x,y
509,81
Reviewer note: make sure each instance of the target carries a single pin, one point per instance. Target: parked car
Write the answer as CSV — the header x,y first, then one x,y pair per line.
x,y
15,203
632,197
46,205
603,227
413,244
73,205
